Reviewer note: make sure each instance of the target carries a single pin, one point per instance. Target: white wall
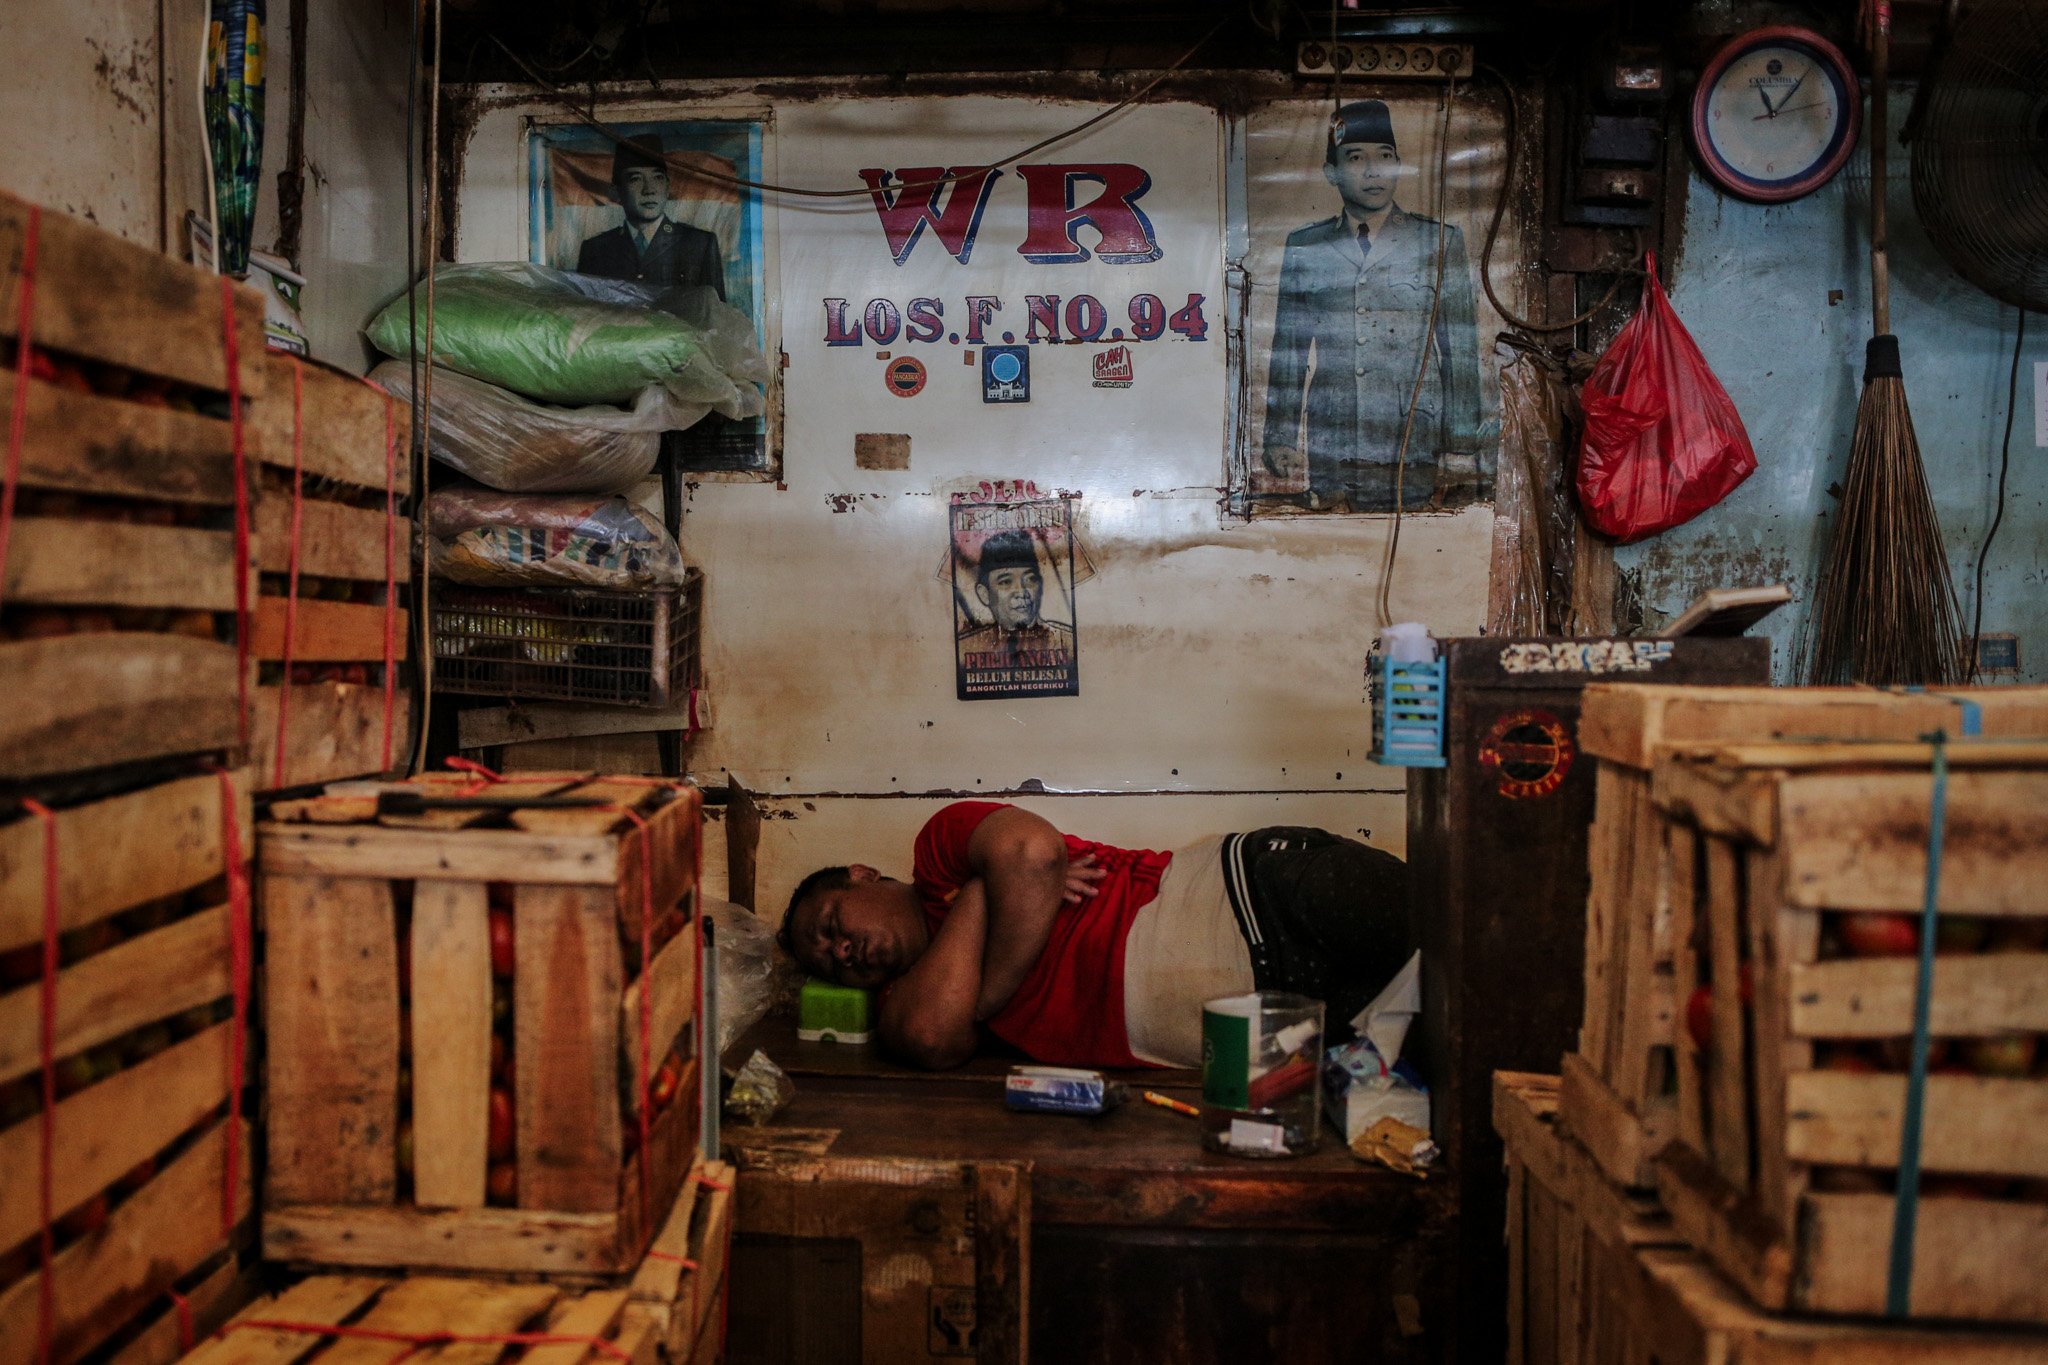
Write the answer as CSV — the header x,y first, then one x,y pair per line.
x,y
1220,662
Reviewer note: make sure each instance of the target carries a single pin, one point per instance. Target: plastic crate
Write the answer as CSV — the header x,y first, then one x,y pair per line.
x,y
1408,714
544,644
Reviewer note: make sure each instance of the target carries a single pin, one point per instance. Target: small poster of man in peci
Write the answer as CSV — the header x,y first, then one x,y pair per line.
x,y
1013,573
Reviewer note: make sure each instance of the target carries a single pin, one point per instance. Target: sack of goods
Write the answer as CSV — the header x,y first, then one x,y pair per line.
x,y
489,539
547,381
511,443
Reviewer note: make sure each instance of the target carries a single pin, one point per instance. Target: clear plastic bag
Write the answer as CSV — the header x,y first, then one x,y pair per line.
x,y
563,338
512,540
753,974
1663,441
519,446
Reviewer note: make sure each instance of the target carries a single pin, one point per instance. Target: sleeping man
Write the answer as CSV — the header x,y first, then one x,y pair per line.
x,y
1083,954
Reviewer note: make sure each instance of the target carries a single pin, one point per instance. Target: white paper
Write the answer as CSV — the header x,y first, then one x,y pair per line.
x,y
1248,1136
1385,1021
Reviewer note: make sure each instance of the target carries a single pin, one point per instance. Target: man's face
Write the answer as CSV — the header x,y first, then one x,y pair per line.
x,y
1364,175
862,935
1013,594
643,191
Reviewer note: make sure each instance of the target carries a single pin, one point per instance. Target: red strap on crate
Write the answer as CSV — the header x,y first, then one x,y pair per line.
x,y
231,345
17,419
291,594
419,1339
683,1261
708,1183
645,1071
183,1307
390,570
470,765
240,949
46,1291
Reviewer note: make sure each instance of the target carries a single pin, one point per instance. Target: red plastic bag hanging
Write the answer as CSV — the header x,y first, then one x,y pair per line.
x,y
1662,442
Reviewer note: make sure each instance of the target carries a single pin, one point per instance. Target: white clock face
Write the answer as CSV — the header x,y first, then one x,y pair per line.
x,y
1776,113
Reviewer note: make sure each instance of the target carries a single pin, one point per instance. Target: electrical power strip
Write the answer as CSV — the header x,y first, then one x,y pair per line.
x,y
1414,60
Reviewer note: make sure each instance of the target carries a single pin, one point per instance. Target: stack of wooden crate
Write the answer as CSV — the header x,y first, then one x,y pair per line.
x,y
1759,864
119,664
330,513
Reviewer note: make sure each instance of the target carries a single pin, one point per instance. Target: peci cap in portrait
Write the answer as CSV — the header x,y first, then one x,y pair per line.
x,y
638,153
1360,121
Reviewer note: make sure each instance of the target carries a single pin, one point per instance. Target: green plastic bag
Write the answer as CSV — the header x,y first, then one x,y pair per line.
x,y
562,338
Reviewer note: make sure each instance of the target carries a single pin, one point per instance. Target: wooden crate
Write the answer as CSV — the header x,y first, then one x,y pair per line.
x,y
919,1260
1680,1311
442,1318
681,1284
334,881
1620,1093
1569,1232
333,697
1789,1123
123,544
143,1047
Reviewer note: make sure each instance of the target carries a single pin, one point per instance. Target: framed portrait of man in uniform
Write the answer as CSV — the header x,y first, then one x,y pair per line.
x,y
1371,378
664,203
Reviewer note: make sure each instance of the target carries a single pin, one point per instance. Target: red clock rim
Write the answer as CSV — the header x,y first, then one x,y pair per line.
x,y
1724,175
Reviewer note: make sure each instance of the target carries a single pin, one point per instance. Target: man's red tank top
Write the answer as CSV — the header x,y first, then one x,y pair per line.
x,y
1070,1009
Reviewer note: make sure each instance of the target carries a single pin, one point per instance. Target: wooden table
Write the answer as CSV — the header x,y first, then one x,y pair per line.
x,y
885,1211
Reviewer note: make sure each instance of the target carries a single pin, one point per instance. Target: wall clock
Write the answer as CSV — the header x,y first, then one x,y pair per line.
x,y
1775,114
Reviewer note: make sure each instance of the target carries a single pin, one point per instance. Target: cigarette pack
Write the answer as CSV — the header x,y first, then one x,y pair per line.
x,y
1061,1090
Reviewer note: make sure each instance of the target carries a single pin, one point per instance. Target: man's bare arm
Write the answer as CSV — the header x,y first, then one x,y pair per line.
x,y
928,1015
1022,861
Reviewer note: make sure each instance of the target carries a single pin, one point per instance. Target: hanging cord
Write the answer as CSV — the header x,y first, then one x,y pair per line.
x,y
1906,1206
390,576
206,134
2012,395
423,619
590,118
230,344
1500,205
1429,354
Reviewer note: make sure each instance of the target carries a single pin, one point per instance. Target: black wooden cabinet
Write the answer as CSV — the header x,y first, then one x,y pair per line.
x,y
1497,853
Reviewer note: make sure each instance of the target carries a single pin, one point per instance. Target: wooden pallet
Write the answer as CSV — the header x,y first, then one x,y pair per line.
x,y
143,1045
1569,1232
1786,1115
1620,1096
334,727
122,545
334,879
681,1284
372,1320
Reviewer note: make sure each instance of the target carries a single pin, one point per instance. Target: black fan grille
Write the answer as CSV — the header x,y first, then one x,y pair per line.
x,y
1980,162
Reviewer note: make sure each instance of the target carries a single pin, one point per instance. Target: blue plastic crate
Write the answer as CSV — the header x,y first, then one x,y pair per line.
x,y
1408,714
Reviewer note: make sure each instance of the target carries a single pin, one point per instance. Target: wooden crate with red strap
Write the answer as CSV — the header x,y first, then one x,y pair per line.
x,y
1798,876
330,630
125,949
332,1319
126,459
553,1119
681,1283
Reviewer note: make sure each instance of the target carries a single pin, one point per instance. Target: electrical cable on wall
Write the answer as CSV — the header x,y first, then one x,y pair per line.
x,y
740,182
2012,396
1500,205
206,138
1384,600
423,594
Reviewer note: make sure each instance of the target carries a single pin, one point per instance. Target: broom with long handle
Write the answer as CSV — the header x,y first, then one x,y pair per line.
x,y
1887,609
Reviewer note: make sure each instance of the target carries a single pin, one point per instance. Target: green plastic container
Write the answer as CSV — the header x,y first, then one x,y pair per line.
x,y
826,1013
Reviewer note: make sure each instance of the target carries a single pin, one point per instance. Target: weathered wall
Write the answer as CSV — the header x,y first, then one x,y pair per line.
x,y
1756,286
105,116
1221,663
